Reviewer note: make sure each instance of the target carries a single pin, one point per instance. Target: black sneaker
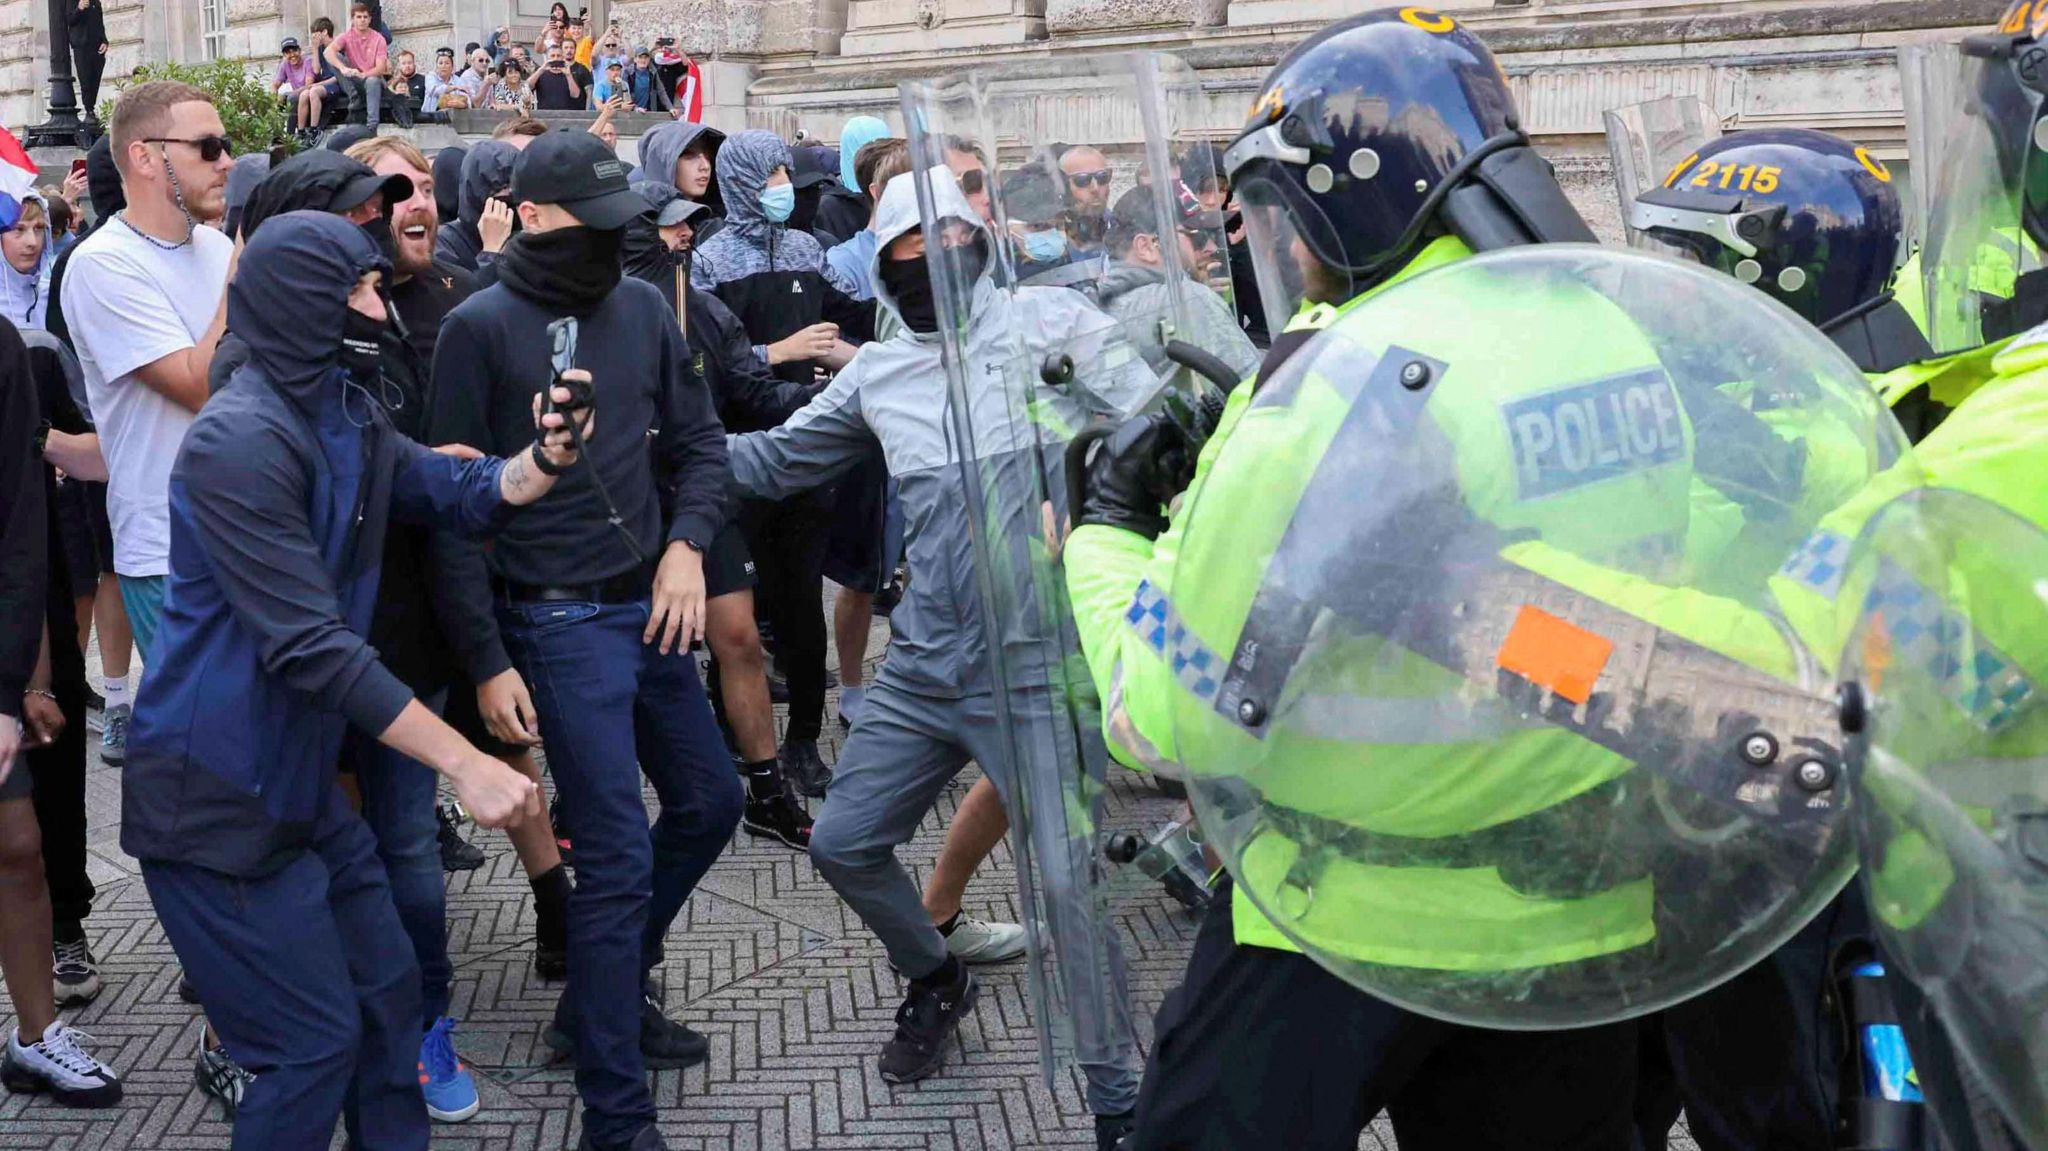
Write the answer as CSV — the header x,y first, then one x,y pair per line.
x,y
186,991
1112,1130
77,973
94,701
779,816
929,1016
664,1043
457,853
804,768
649,1139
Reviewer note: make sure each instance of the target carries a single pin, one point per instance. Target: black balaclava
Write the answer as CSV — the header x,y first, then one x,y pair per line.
x,y
569,270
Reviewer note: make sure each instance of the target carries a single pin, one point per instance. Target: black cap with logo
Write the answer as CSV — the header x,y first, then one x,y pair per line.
x,y
291,44
576,171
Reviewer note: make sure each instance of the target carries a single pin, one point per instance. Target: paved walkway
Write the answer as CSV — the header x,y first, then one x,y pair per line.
x,y
794,994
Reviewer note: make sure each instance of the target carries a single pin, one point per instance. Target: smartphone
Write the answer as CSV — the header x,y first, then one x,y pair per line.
x,y
78,165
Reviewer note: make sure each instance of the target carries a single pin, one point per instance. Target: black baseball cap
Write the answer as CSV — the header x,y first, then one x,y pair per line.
x,y
576,171
291,44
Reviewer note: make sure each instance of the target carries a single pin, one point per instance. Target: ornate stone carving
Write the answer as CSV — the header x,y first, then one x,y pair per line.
x,y
930,13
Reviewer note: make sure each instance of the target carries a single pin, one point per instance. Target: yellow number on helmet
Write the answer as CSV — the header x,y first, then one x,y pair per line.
x,y
1873,165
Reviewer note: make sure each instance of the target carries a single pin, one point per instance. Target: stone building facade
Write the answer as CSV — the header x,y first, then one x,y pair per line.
x,y
785,64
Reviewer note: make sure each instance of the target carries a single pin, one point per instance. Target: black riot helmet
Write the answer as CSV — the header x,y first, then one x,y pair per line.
x,y
1812,220
1375,136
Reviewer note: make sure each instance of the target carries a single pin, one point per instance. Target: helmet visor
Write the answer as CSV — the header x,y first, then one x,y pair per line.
x,y
1978,246
1286,233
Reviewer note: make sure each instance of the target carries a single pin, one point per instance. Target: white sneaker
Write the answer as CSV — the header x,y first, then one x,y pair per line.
x,y
976,941
59,1064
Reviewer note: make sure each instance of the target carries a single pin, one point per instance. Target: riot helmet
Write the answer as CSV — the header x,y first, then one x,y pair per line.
x,y
1810,219
1370,139
1989,218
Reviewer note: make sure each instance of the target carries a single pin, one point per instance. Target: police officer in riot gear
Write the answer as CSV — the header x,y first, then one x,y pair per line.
x,y
1814,222
1385,146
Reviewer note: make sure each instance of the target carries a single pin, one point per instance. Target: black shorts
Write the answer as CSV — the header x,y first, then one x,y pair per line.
x,y
17,785
855,551
73,512
462,715
728,565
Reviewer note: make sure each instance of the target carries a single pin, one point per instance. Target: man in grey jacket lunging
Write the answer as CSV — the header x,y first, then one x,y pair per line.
x,y
934,707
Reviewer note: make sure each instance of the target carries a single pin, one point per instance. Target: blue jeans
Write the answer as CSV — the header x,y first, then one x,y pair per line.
x,y
611,709
306,975
399,794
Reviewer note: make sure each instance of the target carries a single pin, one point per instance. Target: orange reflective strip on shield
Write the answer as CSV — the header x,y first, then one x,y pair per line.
x,y
1555,653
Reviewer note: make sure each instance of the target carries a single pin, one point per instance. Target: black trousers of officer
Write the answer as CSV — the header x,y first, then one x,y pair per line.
x,y
1263,1048
788,541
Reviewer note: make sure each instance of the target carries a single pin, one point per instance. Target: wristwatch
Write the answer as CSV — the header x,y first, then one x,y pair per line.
x,y
42,437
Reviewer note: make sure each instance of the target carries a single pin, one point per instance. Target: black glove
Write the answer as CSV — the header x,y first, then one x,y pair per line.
x,y
1135,473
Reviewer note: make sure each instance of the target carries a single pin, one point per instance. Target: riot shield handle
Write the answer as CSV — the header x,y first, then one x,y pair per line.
x,y
1202,362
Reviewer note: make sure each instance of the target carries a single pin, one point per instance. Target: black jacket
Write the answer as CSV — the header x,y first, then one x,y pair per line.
x,y
24,551
486,171
774,278
493,357
841,213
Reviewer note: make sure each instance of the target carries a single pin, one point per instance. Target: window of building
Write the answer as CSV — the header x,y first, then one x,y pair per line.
x,y
213,28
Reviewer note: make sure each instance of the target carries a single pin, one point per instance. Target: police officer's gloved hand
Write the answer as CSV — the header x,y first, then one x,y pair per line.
x,y
1135,473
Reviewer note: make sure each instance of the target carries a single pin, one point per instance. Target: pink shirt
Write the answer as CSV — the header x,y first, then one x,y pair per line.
x,y
364,51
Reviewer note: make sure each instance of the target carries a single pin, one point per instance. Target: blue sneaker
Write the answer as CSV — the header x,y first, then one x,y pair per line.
x,y
450,1092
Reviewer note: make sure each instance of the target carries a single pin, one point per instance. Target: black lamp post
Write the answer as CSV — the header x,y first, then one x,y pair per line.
x,y
63,128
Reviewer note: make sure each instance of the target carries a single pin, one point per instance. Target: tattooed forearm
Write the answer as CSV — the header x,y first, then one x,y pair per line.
x,y
522,483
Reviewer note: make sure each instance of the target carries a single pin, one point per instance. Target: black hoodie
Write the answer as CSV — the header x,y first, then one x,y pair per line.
x,y
486,172
448,183
494,356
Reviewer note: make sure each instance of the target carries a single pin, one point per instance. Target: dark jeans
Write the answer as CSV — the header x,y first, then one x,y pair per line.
x,y
788,541
611,709
90,62
398,803
308,978
1263,1048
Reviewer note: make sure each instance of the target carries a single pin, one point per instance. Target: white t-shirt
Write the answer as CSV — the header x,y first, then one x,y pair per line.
x,y
128,304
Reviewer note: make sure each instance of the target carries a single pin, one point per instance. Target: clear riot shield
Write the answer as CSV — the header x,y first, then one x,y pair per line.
x,y
1930,82
1980,267
1076,307
1949,777
1481,693
1650,144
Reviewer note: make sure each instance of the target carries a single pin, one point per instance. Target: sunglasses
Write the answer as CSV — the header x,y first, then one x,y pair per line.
x,y
1098,178
1201,238
973,181
211,148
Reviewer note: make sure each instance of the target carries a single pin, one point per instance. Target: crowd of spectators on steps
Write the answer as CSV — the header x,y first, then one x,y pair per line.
x,y
355,71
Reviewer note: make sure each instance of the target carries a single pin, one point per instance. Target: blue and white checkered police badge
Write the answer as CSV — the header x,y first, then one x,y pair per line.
x,y
1588,433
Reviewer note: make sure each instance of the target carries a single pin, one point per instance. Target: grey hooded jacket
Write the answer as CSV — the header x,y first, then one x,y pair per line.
x,y
1138,298
896,393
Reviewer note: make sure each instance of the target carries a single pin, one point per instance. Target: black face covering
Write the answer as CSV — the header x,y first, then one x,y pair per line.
x,y
362,348
570,270
387,240
909,283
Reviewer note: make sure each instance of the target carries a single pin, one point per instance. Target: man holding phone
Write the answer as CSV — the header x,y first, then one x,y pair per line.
x,y
577,624
560,85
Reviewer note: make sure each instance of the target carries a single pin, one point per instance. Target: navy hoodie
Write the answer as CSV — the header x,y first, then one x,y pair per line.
x,y
280,500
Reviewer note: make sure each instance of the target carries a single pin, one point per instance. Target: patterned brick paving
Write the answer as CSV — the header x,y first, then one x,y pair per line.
x,y
794,993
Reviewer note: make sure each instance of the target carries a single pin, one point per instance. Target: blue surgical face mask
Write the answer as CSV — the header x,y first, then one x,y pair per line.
x,y
778,201
1043,247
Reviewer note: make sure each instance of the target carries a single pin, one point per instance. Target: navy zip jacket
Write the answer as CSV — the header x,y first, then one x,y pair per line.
x,y
280,500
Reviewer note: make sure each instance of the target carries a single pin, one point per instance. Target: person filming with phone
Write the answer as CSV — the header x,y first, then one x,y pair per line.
x,y
577,624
